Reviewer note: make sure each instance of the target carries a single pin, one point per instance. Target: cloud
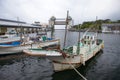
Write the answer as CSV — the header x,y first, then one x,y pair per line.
x,y
42,10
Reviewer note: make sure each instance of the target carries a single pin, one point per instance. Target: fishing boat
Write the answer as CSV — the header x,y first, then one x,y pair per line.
x,y
17,46
12,43
78,54
75,55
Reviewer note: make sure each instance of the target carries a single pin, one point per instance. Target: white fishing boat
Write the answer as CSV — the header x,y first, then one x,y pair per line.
x,y
88,48
17,46
75,55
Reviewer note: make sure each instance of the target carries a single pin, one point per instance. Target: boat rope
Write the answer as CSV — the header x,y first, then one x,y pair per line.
x,y
63,53
76,70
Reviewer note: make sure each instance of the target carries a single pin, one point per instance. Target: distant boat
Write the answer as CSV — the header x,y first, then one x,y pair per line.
x,y
116,31
75,55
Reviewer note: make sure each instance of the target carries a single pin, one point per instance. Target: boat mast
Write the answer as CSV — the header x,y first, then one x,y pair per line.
x,y
66,29
78,47
96,27
21,32
20,29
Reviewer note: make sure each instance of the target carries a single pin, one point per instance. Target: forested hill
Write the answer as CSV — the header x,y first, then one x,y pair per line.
x,y
96,25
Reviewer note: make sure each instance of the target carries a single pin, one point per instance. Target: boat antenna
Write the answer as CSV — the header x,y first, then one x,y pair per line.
x,y
66,29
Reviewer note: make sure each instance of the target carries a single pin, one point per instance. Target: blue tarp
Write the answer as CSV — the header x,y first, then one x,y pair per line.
x,y
16,43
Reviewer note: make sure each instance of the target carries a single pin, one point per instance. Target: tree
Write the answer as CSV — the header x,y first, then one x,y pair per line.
x,y
118,21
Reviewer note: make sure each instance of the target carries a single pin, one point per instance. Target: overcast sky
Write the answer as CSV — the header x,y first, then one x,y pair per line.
x,y
41,10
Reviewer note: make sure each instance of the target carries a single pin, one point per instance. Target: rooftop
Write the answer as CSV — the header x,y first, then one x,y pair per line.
x,y
13,23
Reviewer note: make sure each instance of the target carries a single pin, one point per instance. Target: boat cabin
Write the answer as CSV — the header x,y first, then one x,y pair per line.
x,y
87,43
88,40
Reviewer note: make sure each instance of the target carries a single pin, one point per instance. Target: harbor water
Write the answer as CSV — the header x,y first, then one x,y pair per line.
x,y
104,66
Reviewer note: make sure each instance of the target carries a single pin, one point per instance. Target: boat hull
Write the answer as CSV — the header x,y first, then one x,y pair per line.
x,y
15,49
20,48
60,63
70,61
61,67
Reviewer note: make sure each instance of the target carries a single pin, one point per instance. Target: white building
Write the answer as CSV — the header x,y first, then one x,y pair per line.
x,y
111,28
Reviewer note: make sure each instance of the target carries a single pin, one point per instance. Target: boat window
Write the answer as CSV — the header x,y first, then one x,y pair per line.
x,y
88,37
92,42
88,43
91,38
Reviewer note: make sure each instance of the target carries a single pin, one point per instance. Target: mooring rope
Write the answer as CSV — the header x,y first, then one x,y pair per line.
x,y
75,69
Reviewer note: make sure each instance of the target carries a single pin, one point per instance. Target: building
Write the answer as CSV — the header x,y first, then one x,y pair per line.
x,y
111,28
61,21
7,26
